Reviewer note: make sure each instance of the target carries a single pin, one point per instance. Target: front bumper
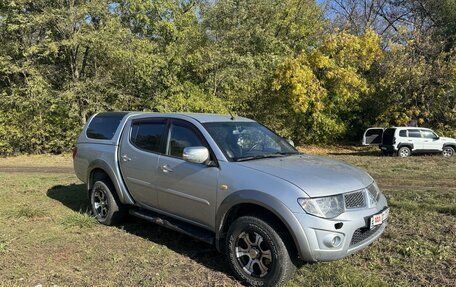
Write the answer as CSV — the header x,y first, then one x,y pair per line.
x,y
352,227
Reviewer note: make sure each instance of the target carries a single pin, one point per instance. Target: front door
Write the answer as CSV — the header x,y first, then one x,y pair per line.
x,y
431,141
139,153
186,189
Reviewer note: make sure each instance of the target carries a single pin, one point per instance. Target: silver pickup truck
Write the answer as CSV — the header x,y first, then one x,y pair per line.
x,y
231,182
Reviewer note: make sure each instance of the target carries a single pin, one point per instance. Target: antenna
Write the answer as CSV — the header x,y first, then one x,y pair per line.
x,y
231,114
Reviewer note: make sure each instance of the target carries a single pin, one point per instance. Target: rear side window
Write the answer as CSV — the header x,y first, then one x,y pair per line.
x,y
104,125
414,133
403,133
148,135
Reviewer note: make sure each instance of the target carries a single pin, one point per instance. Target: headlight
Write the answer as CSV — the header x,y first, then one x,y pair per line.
x,y
373,194
326,207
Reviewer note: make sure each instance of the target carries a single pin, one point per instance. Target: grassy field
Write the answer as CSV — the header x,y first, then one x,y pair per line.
x,y
48,238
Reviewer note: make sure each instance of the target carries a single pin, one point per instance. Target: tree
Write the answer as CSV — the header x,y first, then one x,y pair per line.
x,y
325,86
413,87
246,40
172,25
61,61
415,80
275,61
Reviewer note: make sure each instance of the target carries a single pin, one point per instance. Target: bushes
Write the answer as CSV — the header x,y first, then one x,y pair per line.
x,y
273,61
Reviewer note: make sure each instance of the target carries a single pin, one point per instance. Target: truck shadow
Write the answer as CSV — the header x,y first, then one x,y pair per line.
x,y
74,196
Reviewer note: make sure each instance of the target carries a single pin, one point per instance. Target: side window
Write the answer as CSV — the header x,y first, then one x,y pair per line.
x,y
428,134
181,137
403,133
414,133
148,135
104,125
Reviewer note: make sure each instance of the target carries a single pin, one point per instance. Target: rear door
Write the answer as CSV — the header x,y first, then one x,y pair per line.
x,y
140,149
373,136
415,138
188,190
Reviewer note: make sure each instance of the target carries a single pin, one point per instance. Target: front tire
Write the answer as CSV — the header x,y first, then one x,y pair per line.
x,y
448,151
404,151
257,252
105,206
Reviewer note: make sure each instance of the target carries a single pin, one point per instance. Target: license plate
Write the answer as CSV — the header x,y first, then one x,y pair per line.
x,y
383,147
379,218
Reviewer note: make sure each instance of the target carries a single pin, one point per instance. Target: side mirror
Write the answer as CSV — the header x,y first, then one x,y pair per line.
x,y
196,154
290,142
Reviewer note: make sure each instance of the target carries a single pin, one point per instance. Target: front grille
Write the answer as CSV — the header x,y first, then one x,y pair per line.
x,y
362,234
354,199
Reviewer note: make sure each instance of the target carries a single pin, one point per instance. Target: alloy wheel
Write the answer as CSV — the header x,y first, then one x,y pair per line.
x,y
253,254
404,152
447,152
100,203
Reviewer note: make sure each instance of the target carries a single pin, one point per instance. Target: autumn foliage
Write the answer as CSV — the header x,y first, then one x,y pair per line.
x,y
310,75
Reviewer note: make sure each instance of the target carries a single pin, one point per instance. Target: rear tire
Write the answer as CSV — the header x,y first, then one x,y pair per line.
x,y
105,206
448,151
404,152
257,252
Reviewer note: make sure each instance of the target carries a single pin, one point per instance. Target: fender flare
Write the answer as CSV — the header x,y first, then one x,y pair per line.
x,y
272,204
100,164
453,145
409,145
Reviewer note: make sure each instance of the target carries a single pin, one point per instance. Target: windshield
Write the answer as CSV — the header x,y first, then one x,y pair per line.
x,y
248,140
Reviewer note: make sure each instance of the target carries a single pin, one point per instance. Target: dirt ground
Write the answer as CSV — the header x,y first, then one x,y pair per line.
x,y
48,237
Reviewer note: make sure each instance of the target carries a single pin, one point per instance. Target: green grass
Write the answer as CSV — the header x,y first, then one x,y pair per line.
x,y
27,212
3,246
47,236
81,220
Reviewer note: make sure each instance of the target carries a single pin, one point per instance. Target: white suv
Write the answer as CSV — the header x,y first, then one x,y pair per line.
x,y
404,141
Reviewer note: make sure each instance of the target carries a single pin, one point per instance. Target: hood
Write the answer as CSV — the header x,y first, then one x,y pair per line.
x,y
315,175
445,139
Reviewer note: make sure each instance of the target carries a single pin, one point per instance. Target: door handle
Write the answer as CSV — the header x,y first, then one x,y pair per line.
x,y
125,158
165,168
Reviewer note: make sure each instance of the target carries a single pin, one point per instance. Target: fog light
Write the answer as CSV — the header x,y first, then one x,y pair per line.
x,y
332,240
336,241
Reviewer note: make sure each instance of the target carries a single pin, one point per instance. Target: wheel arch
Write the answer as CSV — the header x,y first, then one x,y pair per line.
x,y
453,145
99,169
409,145
254,202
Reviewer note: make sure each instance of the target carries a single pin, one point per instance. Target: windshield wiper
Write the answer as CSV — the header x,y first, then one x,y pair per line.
x,y
260,156
286,153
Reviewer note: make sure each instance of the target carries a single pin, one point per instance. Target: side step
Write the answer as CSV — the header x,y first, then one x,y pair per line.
x,y
175,224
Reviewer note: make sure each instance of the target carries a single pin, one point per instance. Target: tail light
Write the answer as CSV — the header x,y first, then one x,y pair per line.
x,y
74,150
